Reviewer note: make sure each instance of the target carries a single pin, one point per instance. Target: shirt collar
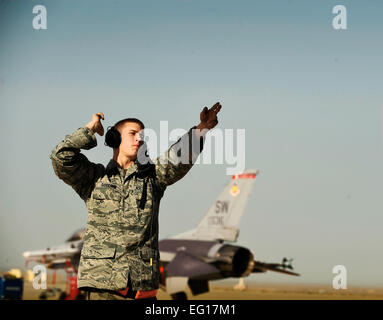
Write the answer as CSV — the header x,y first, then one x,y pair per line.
x,y
113,168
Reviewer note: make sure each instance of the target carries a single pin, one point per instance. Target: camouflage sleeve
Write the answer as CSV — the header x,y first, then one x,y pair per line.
x,y
179,159
73,167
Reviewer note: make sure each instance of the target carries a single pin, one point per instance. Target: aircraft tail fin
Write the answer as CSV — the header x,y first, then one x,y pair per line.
x,y
222,219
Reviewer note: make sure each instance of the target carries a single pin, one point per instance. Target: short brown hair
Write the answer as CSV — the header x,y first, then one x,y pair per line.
x,y
139,122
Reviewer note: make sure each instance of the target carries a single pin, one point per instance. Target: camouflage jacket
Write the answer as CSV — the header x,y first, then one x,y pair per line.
x,y
121,238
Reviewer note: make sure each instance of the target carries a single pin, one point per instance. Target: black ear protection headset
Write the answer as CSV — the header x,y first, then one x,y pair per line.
x,y
113,136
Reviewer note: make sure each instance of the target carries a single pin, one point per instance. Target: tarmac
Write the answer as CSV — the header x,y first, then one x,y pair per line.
x,y
254,291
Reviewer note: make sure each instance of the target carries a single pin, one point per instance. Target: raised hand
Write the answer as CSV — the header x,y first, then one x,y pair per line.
x,y
209,117
95,124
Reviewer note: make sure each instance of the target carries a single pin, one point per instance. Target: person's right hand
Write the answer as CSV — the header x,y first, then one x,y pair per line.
x,y
95,124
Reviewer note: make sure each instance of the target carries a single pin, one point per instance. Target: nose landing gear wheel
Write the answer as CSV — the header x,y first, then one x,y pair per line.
x,y
179,296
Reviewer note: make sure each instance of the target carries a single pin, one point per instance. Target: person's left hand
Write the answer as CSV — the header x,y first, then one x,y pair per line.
x,y
209,117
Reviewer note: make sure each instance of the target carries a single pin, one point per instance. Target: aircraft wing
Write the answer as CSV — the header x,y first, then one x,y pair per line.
x,y
49,255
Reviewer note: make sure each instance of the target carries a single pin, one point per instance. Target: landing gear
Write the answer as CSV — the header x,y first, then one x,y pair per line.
x,y
63,296
179,296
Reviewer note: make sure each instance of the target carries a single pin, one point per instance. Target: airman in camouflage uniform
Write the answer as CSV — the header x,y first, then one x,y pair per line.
x,y
121,243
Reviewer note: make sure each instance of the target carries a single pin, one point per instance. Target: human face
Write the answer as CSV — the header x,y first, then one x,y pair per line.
x,y
131,139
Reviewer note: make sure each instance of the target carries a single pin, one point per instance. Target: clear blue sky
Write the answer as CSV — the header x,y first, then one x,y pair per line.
x,y
309,97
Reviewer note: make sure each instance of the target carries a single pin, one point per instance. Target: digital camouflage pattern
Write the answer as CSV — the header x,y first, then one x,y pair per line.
x,y
121,238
